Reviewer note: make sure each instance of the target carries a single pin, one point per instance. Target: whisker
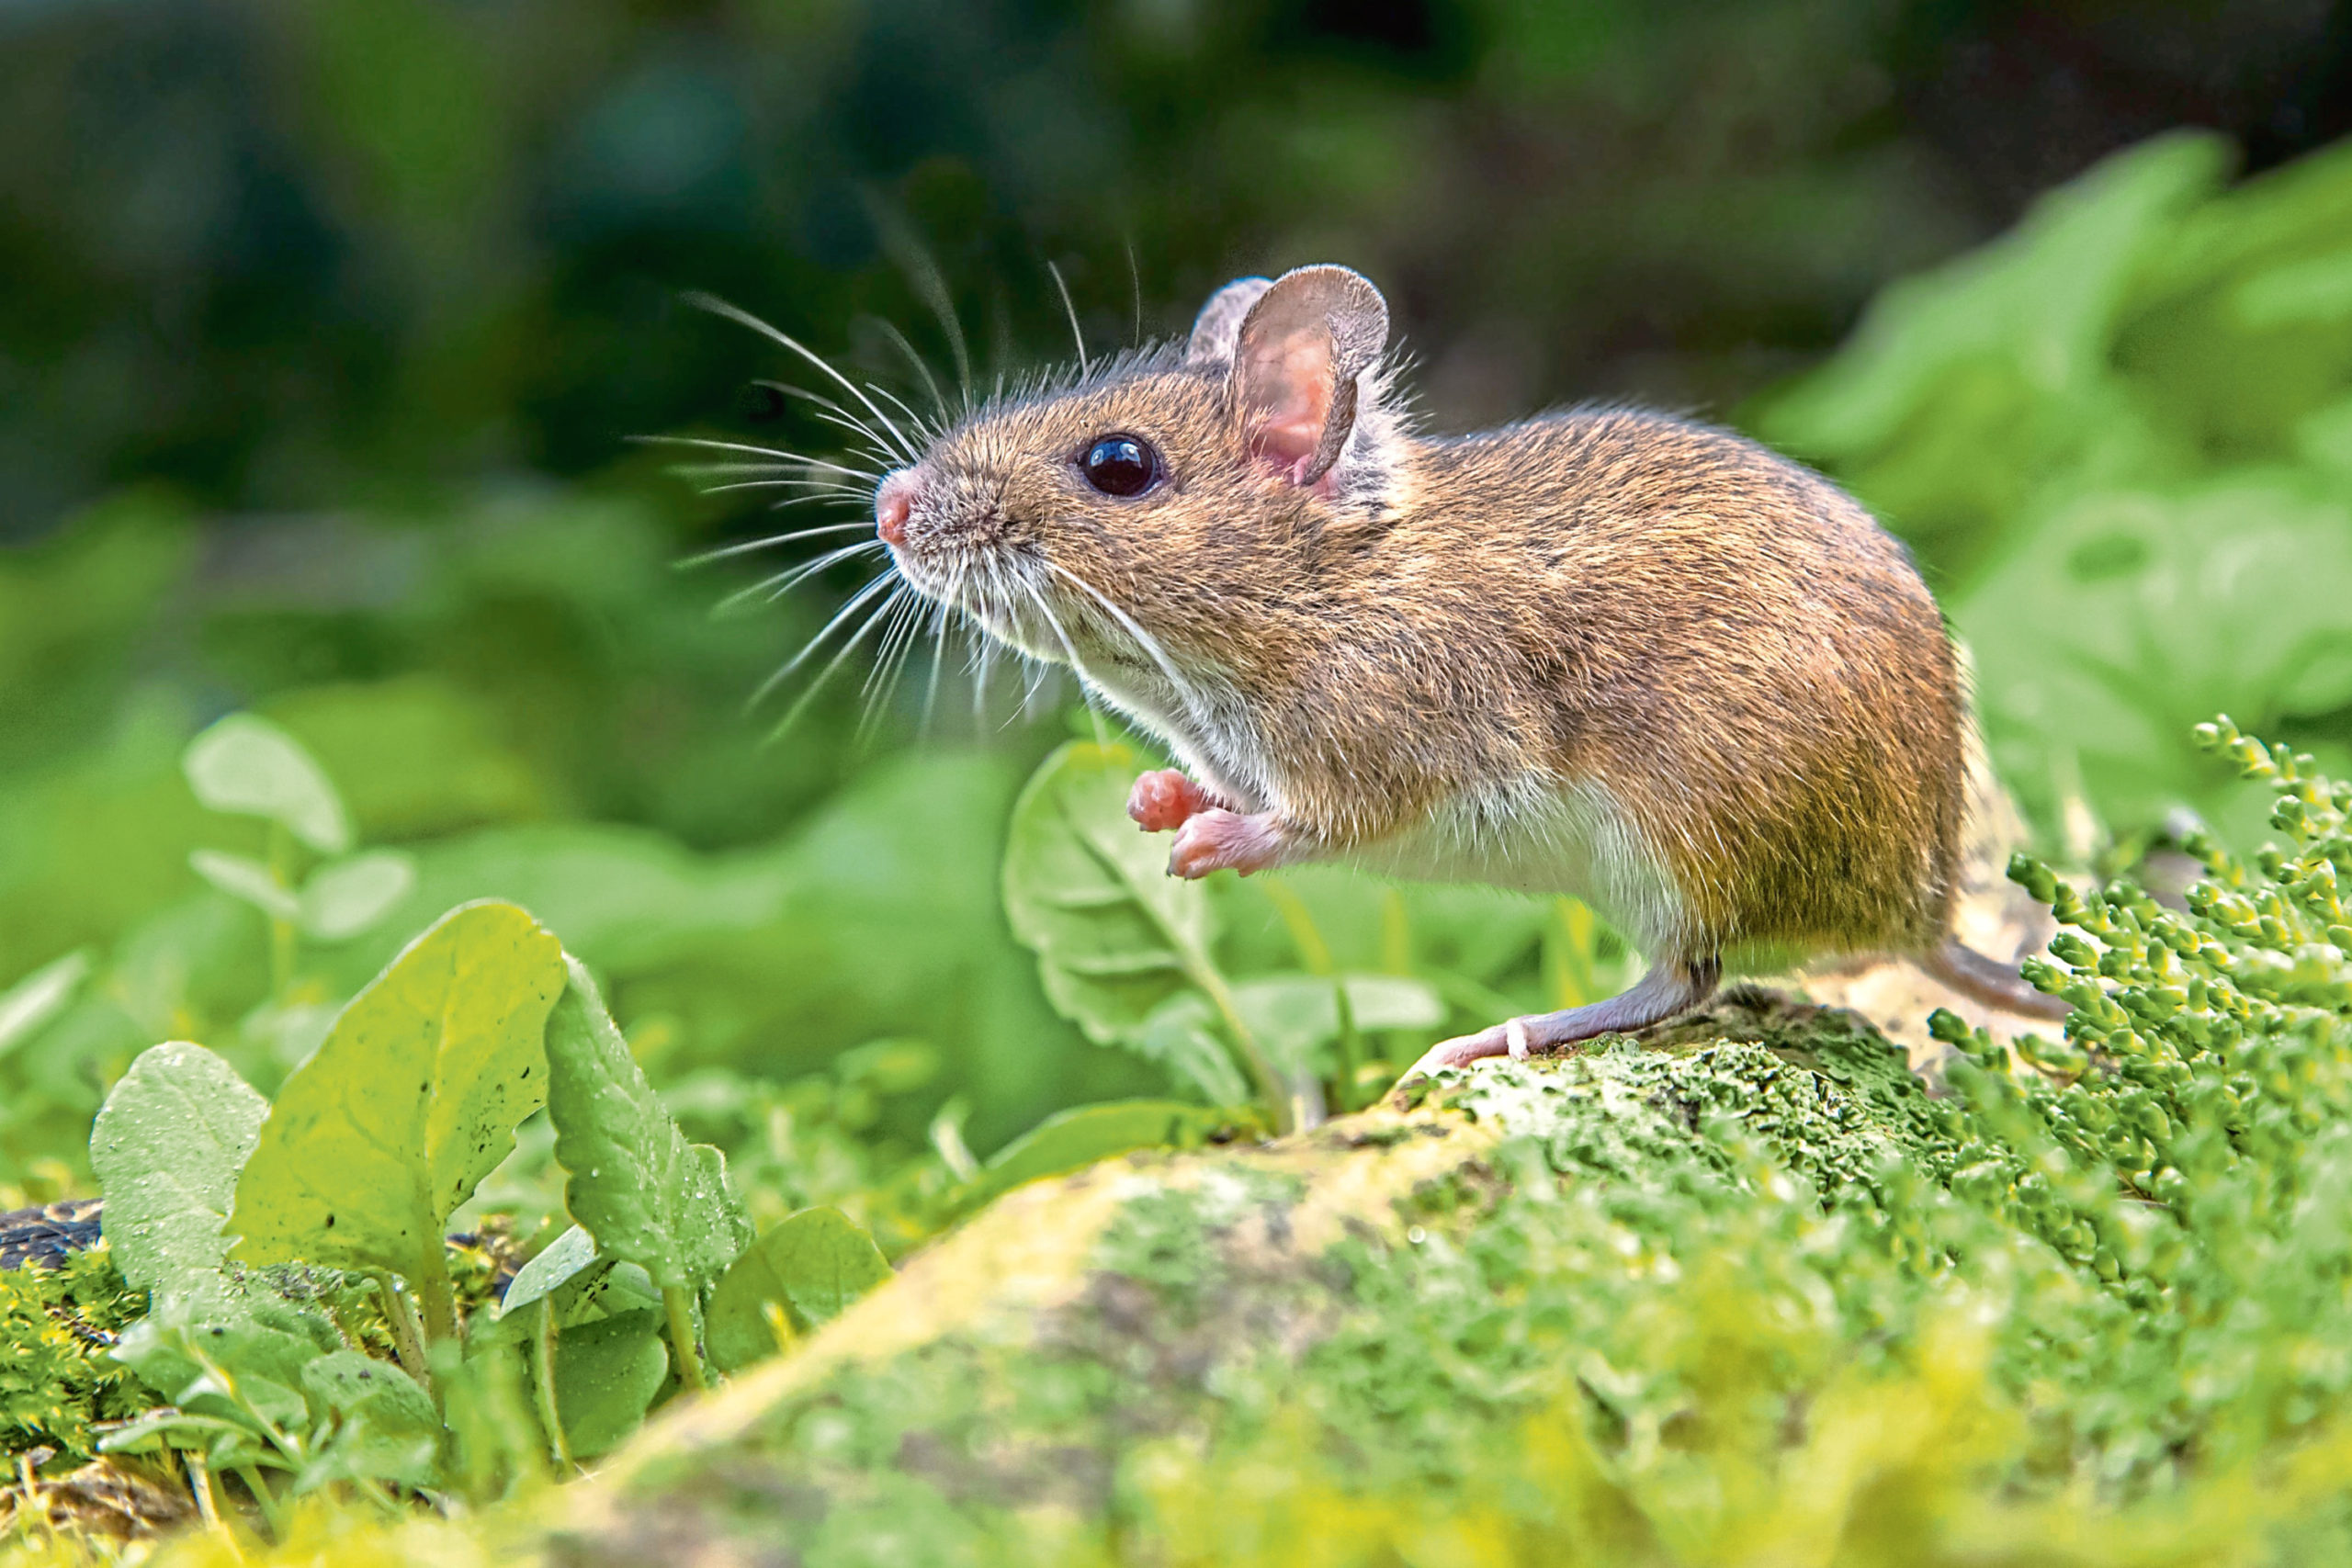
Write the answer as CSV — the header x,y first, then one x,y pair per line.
x,y
1069,649
712,303
817,491
1135,273
800,704
748,547
1149,643
783,583
856,601
922,369
1078,336
707,444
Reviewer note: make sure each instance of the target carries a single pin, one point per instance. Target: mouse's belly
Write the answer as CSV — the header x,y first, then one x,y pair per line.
x,y
1538,836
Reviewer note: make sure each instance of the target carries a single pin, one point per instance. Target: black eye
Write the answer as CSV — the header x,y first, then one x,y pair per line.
x,y
1120,464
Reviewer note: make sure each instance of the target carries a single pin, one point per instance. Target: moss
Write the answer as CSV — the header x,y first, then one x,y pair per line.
x,y
55,1377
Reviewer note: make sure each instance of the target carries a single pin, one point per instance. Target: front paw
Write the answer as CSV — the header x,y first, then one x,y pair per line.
x,y
1217,840
1166,799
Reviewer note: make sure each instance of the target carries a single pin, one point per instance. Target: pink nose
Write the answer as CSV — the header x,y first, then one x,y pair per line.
x,y
892,503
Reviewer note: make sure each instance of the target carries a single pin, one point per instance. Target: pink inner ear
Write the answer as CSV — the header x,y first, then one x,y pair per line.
x,y
1287,380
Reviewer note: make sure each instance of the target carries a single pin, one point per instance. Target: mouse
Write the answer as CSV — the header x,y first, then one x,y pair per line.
x,y
1605,651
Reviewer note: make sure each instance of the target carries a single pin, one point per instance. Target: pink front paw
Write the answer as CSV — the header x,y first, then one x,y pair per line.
x,y
1166,799
1216,840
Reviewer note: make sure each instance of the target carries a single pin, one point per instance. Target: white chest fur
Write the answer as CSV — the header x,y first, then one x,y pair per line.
x,y
1539,836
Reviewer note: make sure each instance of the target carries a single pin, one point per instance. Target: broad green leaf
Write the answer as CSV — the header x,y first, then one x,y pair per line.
x,y
248,766
607,1373
345,897
243,877
1071,1139
167,1147
814,1265
29,1004
645,1193
383,1426
1116,936
410,1103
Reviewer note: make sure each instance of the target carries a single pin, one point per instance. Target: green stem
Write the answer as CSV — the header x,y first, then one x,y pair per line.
x,y
408,1334
271,1510
543,1375
1350,1049
281,933
1282,1101
437,1295
682,1335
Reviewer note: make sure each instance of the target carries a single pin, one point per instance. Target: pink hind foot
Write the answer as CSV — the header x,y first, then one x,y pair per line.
x,y
1217,840
1166,799
1670,989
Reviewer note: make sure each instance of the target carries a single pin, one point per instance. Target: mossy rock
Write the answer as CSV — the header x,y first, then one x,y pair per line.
x,y
1740,1291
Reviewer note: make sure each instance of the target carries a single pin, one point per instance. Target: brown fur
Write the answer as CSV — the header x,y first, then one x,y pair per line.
x,y
1727,642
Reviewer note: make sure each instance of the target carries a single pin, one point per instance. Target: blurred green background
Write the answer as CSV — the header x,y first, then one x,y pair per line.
x,y
325,326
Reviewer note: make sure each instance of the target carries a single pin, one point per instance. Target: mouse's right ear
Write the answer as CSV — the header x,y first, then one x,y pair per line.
x,y
1296,364
1220,321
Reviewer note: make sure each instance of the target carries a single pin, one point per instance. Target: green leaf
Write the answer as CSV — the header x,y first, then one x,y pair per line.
x,y
384,1425
562,1259
411,1102
1072,1139
607,1373
216,1346
1115,935
243,877
814,1265
640,1188
29,1004
1296,1015
167,1147
1181,1034
345,897
248,766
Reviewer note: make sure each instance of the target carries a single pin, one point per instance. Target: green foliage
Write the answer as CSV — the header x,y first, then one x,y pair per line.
x,y
375,1141
806,1271
2117,435
168,1146
1080,1136
646,1194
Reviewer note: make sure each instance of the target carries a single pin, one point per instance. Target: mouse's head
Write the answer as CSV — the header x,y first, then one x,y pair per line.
x,y
1129,519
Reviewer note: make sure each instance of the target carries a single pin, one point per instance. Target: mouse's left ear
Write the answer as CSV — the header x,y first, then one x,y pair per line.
x,y
1296,362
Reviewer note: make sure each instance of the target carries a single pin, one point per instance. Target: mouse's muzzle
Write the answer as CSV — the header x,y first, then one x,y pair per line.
x,y
893,503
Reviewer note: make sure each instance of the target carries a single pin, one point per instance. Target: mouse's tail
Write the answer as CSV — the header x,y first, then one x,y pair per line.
x,y
1990,981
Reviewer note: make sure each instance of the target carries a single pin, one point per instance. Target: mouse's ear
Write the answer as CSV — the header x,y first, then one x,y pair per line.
x,y
1220,321
1295,362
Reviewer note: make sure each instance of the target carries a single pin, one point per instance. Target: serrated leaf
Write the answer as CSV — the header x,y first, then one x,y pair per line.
x,y
814,1265
607,1373
411,1102
1116,936
243,877
645,1193
250,767
167,1146
1073,1139
345,897
28,1005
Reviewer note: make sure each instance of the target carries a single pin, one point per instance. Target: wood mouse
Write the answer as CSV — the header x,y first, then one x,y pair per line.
x,y
1602,652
